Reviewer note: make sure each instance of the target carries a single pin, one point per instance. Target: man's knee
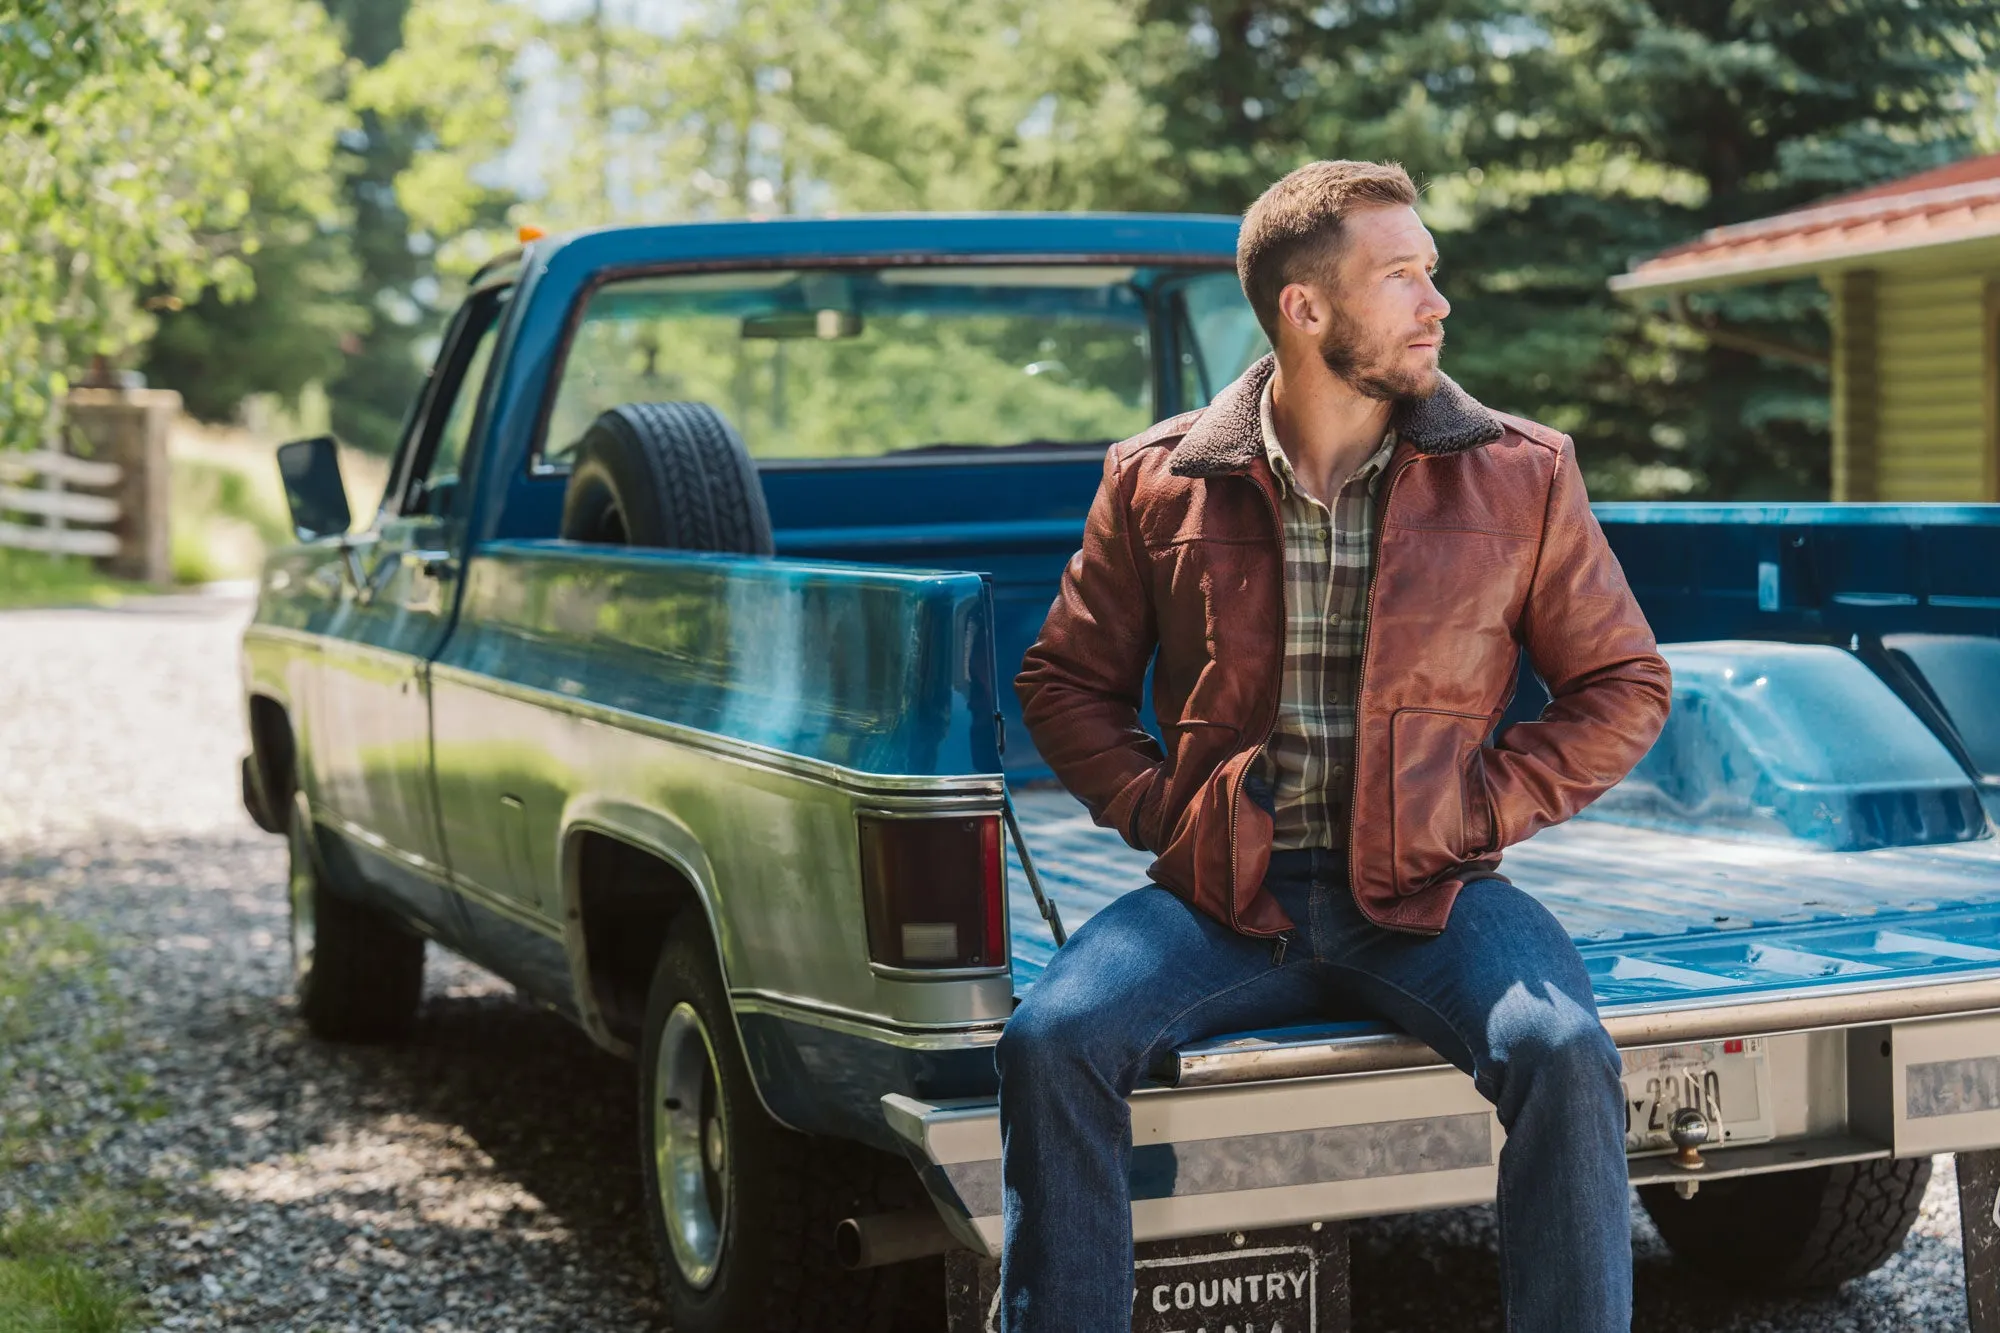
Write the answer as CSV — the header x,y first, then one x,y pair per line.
x,y
1052,1033
1550,1041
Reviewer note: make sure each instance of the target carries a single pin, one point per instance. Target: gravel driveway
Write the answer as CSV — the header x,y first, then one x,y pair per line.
x,y
482,1176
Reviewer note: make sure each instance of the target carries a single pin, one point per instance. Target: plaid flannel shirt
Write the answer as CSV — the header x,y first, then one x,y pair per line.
x,y
1329,558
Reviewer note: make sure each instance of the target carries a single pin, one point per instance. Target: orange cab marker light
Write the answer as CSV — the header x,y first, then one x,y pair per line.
x,y
530,233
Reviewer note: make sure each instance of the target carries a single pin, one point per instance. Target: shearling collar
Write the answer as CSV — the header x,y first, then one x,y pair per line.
x,y
1227,437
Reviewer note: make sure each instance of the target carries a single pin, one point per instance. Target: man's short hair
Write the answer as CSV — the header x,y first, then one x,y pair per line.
x,y
1293,232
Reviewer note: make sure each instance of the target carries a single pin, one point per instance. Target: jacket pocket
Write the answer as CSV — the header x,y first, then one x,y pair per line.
x,y
1439,812
1195,751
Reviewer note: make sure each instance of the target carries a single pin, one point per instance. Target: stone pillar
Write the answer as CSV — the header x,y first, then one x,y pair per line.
x,y
129,427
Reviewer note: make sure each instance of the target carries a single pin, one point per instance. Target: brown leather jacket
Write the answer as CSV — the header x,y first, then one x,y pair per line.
x,y
1485,543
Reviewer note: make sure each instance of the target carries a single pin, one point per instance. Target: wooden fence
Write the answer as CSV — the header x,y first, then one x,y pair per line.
x,y
40,509
111,505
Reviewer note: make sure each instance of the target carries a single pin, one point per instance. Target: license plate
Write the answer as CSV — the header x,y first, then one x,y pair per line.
x,y
1729,1082
1212,1285
1282,1280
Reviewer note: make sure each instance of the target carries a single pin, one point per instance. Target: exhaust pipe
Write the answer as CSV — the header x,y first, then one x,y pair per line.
x,y
891,1238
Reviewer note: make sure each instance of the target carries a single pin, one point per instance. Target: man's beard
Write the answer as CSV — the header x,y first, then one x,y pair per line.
x,y
1373,371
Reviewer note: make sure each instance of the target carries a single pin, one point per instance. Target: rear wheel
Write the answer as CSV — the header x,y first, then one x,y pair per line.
x,y
743,1210
1818,1227
357,972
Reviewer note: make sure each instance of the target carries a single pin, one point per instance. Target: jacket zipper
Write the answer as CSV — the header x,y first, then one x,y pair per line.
x,y
1360,683
1270,724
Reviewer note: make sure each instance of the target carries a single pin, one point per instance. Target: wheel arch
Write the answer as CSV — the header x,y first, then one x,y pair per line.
x,y
271,778
628,873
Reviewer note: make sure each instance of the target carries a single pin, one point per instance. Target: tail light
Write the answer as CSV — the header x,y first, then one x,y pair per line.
x,y
935,891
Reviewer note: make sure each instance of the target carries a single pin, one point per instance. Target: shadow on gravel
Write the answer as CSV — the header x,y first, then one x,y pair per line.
x,y
1425,1272
554,1114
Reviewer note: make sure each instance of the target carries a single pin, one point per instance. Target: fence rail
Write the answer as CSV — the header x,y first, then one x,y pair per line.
x,y
56,506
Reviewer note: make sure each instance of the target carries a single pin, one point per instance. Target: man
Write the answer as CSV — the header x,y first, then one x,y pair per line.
x,y
1337,562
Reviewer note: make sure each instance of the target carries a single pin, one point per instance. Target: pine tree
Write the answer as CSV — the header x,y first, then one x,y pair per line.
x,y
381,370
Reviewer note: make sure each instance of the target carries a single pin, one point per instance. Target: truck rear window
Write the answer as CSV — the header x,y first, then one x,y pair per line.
x,y
856,363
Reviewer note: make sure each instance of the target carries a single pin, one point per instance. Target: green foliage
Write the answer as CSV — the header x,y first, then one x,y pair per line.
x,y
778,106
395,291
53,45
287,335
128,152
455,76
226,511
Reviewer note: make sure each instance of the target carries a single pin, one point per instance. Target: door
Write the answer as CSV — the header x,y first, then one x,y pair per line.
x,y
372,747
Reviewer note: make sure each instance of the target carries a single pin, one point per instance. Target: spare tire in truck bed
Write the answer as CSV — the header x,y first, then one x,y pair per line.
x,y
672,475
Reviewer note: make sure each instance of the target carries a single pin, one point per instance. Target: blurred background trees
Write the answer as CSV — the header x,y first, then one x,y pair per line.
x,y
149,150
272,200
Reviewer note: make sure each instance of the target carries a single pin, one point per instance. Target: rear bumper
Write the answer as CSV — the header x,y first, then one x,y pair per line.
x,y
1367,1142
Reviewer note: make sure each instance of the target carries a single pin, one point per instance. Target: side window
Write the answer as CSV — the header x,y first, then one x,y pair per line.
x,y
431,486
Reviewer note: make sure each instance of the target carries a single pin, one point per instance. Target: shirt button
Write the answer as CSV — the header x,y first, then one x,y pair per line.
x,y
1339,771
1334,618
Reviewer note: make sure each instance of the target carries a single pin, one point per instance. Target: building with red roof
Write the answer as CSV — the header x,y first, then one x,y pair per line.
x,y
1913,268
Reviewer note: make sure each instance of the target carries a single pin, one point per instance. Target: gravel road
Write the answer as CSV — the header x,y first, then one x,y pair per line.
x,y
480,1177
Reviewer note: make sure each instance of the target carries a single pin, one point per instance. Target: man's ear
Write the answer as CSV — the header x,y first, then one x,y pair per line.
x,y
1302,309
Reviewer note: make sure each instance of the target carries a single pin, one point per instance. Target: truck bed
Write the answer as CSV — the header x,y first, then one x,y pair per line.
x,y
1661,918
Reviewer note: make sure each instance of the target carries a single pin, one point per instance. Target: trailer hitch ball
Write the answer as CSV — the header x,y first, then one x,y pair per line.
x,y
1689,1130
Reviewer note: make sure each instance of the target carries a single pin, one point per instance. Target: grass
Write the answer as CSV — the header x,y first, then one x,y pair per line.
x,y
46,1282
55,1258
29,578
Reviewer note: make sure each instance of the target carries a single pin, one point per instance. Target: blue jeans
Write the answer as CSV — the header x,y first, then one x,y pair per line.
x,y
1502,994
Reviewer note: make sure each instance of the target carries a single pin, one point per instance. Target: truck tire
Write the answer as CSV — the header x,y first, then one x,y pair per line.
x,y
357,972
1794,1230
672,475
741,1209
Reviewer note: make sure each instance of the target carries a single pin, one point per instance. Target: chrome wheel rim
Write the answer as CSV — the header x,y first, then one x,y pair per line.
x,y
690,1145
300,890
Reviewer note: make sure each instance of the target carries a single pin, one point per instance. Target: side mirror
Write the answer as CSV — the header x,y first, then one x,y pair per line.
x,y
313,488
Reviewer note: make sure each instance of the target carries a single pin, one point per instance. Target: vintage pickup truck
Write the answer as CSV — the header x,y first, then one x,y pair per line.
x,y
671,683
